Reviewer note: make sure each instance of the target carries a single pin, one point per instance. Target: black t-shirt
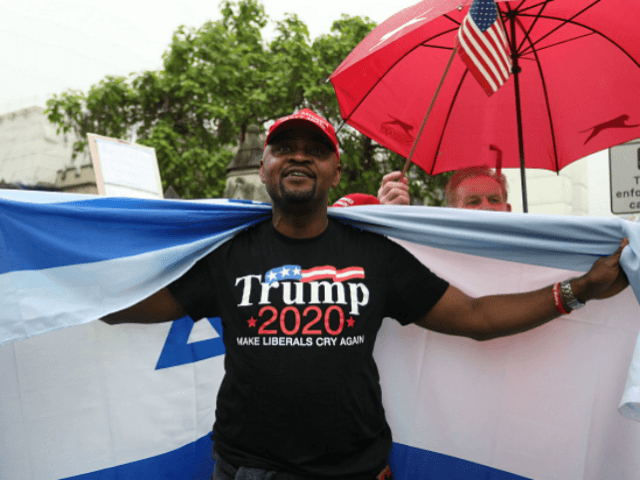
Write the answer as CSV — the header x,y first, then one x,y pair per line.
x,y
301,391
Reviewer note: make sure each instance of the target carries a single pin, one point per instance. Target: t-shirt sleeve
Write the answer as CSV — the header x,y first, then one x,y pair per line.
x,y
413,288
194,289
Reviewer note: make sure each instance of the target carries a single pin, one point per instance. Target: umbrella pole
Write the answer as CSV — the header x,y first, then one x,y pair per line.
x,y
516,79
523,178
433,100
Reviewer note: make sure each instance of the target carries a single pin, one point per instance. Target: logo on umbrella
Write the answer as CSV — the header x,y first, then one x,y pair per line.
x,y
390,34
618,122
398,130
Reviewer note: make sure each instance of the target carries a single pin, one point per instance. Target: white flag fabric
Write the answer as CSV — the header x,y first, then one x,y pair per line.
x,y
630,403
97,402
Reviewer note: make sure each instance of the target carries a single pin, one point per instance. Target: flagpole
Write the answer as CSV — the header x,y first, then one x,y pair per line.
x,y
433,100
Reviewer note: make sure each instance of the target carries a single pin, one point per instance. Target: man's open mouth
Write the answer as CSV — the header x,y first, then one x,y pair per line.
x,y
298,174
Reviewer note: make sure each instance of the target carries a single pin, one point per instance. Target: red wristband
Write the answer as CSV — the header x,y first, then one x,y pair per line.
x,y
558,300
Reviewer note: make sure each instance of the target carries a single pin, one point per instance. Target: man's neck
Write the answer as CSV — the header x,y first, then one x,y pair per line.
x,y
300,225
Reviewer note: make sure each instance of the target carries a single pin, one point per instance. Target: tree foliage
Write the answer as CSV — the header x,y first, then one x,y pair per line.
x,y
217,80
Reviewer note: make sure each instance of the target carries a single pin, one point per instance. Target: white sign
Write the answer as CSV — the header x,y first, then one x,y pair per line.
x,y
624,164
124,168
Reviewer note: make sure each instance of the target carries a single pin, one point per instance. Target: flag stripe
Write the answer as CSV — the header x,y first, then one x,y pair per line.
x,y
127,231
330,273
486,53
55,239
497,49
502,45
478,50
483,47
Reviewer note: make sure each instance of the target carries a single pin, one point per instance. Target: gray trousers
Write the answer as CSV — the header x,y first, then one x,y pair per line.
x,y
225,471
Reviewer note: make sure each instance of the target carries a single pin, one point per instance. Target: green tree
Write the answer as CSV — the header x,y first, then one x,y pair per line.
x,y
217,80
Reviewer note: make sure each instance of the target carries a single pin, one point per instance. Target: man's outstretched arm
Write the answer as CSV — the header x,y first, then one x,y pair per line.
x,y
159,307
493,316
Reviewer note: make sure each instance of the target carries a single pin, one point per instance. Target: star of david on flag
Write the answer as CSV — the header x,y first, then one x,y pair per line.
x,y
294,272
482,45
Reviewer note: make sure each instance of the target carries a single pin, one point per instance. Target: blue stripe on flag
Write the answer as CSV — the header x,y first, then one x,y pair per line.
x,y
38,236
411,463
88,238
194,462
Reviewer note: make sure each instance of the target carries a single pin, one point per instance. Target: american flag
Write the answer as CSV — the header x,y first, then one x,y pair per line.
x,y
294,272
482,45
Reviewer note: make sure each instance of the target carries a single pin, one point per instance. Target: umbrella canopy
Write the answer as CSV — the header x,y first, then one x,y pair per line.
x,y
578,76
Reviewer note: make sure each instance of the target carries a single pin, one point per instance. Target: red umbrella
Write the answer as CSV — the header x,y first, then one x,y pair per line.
x,y
575,89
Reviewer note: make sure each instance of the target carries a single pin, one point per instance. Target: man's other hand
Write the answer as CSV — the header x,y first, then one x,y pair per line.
x,y
605,279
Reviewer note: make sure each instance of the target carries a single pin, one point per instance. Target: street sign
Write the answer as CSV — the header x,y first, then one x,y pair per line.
x,y
624,166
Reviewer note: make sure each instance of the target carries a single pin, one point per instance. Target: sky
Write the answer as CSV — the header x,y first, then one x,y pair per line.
x,y
51,46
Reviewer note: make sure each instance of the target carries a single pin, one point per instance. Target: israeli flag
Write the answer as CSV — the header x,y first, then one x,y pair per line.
x,y
80,399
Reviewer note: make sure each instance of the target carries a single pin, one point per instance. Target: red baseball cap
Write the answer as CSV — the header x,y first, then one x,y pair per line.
x,y
310,117
355,199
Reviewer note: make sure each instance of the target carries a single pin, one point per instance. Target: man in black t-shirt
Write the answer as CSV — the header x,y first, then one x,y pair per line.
x,y
301,299
300,319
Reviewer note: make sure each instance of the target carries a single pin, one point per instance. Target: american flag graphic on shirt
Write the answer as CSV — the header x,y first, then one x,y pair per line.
x,y
327,272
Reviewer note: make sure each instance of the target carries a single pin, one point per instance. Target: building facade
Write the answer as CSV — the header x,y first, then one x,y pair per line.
x,y
33,154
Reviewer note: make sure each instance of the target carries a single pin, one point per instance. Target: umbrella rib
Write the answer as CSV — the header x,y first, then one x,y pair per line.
x,y
529,7
452,19
364,97
446,120
544,89
563,21
537,17
441,47
566,41
594,32
518,7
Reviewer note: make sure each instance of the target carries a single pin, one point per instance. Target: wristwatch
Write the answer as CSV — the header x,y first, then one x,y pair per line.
x,y
569,298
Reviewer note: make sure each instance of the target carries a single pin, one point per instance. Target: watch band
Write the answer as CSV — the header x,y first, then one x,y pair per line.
x,y
569,298
558,300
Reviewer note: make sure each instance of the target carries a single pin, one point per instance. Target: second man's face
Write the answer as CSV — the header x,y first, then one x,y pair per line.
x,y
481,193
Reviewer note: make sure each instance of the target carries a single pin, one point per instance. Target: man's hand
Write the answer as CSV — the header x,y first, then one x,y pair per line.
x,y
394,189
605,278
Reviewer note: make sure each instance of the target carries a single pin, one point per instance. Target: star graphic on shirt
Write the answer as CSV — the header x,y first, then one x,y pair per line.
x,y
350,322
284,272
271,276
252,322
296,271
